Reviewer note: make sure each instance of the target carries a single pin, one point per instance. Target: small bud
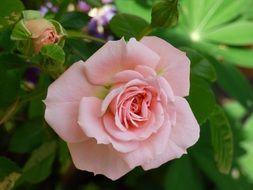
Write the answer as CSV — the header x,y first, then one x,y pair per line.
x,y
43,33
33,32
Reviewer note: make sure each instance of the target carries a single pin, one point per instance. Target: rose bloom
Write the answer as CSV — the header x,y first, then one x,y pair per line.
x,y
124,107
43,33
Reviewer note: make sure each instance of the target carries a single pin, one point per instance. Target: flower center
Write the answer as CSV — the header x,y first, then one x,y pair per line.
x,y
133,107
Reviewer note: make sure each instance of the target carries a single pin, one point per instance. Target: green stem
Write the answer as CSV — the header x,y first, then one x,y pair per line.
x,y
145,32
74,34
10,112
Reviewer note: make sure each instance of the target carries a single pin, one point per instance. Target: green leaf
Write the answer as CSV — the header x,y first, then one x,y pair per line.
x,y
11,61
242,57
7,167
36,108
64,156
20,32
177,173
39,165
9,85
165,13
231,80
133,7
226,11
5,39
200,66
201,98
127,25
27,137
222,140
238,33
10,7
80,19
246,160
203,157
78,49
54,53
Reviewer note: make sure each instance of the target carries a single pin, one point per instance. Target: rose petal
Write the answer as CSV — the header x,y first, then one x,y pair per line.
x,y
108,60
151,148
186,131
171,152
146,72
174,64
108,99
182,136
90,119
116,56
71,86
126,76
155,122
98,158
163,83
62,117
139,54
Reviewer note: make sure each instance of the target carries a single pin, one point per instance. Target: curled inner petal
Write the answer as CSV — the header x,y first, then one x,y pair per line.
x,y
134,105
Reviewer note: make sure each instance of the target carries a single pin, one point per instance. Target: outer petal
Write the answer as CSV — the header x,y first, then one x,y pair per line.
x,y
90,119
116,56
71,86
171,152
151,148
174,64
139,54
62,102
99,159
62,117
186,131
102,65
183,135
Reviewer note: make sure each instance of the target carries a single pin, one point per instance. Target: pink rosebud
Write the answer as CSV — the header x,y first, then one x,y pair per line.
x,y
43,33
124,107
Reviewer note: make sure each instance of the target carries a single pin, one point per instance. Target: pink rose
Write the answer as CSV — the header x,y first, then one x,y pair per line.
x,y
43,33
124,107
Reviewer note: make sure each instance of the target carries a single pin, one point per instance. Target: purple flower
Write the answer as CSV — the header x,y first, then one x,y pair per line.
x,y
83,6
44,10
48,7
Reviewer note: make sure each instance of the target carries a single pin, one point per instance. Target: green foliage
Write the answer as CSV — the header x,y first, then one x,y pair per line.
x,y
222,140
9,173
27,137
234,83
127,25
9,79
80,19
201,99
177,173
38,166
215,27
165,13
133,7
200,66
